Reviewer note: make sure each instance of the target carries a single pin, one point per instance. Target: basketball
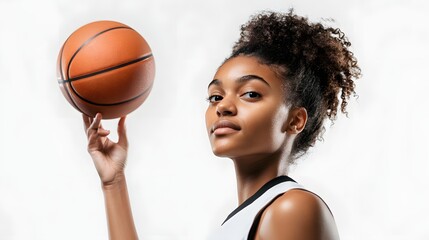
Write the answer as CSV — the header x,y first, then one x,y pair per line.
x,y
105,67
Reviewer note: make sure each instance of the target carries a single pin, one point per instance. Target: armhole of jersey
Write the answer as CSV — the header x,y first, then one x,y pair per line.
x,y
257,220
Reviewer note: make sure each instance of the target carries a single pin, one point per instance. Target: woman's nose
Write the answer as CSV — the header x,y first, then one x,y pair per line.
x,y
226,108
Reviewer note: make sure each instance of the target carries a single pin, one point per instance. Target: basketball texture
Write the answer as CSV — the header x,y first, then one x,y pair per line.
x,y
105,67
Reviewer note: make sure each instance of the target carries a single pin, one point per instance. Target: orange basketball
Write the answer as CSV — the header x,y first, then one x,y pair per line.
x,y
105,67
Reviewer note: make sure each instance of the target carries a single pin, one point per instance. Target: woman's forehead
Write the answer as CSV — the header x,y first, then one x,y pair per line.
x,y
241,66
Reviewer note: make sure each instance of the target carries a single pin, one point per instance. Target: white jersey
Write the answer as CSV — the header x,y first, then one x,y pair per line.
x,y
238,224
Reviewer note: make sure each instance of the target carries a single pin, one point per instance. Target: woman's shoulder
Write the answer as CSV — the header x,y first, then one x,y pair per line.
x,y
297,214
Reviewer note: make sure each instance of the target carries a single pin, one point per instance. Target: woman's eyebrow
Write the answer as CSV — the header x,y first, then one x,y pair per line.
x,y
247,78
240,80
216,82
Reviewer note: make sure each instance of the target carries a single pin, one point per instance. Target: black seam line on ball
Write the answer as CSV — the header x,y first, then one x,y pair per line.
x,y
117,103
107,69
86,43
66,86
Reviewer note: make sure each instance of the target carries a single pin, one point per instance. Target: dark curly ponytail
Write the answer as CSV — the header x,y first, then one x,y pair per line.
x,y
315,62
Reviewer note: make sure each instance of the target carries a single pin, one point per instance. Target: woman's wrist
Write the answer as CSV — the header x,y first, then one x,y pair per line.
x,y
118,208
118,181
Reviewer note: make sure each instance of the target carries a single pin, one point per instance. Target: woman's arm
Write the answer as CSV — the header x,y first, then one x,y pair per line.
x,y
109,159
118,210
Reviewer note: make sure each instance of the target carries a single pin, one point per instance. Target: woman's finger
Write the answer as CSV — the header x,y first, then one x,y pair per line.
x,y
122,133
95,124
103,132
86,121
97,138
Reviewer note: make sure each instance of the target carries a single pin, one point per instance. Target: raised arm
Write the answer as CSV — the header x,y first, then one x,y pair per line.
x,y
109,159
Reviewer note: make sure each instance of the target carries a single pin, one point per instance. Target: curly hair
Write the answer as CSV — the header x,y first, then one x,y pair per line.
x,y
314,61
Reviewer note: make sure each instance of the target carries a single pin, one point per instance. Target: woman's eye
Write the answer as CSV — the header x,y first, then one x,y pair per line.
x,y
252,95
214,98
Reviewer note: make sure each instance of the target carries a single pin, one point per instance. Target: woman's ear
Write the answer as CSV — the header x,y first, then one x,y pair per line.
x,y
296,120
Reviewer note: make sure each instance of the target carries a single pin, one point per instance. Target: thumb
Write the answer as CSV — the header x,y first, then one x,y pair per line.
x,y
122,133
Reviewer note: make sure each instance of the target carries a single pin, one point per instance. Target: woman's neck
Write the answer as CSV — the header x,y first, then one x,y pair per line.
x,y
253,172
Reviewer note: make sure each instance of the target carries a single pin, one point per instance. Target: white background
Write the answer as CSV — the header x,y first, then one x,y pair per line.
x,y
372,169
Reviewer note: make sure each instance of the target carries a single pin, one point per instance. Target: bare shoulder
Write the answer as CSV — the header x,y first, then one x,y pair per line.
x,y
297,214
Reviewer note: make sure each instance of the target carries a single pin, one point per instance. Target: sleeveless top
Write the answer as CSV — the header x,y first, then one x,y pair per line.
x,y
242,223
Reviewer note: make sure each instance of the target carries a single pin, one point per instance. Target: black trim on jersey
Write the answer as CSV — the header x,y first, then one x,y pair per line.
x,y
261,191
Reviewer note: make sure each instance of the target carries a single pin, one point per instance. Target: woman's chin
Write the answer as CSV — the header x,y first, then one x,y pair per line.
x,y
228,152
222,152
219,153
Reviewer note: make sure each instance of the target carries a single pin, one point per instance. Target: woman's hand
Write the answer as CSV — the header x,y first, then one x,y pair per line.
x,y
109,157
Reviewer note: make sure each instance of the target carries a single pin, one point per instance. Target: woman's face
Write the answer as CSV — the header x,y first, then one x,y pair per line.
x,y
247,113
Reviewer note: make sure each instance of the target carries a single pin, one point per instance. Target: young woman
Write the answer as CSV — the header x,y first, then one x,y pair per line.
x,y
267,105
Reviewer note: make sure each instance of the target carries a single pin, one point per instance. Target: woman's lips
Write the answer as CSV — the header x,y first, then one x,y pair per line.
x,y
224,127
